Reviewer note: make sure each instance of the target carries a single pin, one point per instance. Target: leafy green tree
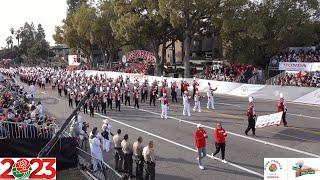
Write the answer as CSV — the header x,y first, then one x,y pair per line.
x,y
140,24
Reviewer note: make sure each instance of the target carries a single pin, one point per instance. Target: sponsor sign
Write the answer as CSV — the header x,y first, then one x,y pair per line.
x,y
28,168
269,120
299,66
73,60
292,168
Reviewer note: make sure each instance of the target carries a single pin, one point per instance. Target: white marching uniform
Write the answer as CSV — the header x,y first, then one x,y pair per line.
x,y
210,103
197,103
186,105
106,142
96,152
164,107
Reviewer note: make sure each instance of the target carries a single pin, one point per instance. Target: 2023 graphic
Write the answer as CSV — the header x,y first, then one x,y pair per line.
x,y
28,168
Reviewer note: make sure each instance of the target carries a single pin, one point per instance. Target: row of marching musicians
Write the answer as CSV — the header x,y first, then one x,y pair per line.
x,y
186,101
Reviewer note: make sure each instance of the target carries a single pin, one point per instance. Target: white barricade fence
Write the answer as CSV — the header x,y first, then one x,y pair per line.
x,y
269,120
225,88
299,66
310,98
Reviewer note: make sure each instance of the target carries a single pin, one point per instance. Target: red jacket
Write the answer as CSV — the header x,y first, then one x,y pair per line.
x,y
250,111
219,135
280,107
200,136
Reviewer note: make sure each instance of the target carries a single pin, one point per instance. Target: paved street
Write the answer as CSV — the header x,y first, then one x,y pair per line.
x,y
175,152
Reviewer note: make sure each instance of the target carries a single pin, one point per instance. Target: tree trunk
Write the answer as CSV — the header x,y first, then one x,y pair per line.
x,y
186,58
214,41
155,49
163,58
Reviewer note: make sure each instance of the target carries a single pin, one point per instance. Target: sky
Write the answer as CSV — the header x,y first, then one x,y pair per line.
x,y
14,13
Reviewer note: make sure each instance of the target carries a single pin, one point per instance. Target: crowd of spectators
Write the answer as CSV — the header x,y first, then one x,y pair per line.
x,y
229,73
21,117
299,56
302,79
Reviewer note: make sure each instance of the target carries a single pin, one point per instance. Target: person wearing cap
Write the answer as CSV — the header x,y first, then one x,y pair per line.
x,y
153,94
118,153
136,97
186,103
150,161
117,98
109,98
164,106
282,108
127,152
251,118
126,95
197,98
195,85
200,137
174,92
220,135
95,147
138,158
106,131
104,103
210,103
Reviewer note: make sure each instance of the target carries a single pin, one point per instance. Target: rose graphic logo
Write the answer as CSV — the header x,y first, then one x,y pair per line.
x,y
21,169
273,167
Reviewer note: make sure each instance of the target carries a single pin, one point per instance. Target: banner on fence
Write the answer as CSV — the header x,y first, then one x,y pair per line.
x,y
299,66
269,120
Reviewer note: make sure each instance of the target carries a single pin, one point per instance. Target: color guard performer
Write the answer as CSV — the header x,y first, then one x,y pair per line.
x,y
251,118
186,103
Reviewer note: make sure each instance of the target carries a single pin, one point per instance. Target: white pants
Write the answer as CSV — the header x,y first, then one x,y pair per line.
x,y
164,112
197,106
106,145
210,103
186,109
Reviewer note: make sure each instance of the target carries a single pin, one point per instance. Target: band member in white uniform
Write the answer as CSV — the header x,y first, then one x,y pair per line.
x,y
164,106
210,103
186,103
197,98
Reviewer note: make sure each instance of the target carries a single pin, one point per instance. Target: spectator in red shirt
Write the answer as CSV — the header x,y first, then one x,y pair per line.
x,y
220,135
200,136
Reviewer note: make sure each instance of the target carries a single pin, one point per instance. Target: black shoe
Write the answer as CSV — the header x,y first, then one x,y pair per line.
x,y
246,133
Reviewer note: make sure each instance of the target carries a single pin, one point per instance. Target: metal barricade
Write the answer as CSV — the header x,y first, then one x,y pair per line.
x,y
14,130
104,172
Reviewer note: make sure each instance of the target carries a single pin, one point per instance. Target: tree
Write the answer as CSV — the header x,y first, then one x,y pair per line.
x,y
58,35
191,17
73,5
78,29
140,22
259,31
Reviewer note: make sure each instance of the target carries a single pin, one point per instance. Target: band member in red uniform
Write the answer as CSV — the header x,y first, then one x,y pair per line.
x,y
195,86
282,108
174,92
164,106
117,97
126,95
182,87
251,118
136,97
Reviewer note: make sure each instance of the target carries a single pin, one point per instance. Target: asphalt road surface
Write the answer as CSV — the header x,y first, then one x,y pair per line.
x,y
173,138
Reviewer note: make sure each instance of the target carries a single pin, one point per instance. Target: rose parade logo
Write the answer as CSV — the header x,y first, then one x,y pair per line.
x,y
271,168
27,168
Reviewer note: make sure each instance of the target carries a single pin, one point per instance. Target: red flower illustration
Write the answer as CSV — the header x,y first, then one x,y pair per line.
x,y
22,165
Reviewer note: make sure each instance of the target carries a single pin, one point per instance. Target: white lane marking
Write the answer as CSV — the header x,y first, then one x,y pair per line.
x,y
43,92
301,115
57,98
178,144
242,136
235,105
